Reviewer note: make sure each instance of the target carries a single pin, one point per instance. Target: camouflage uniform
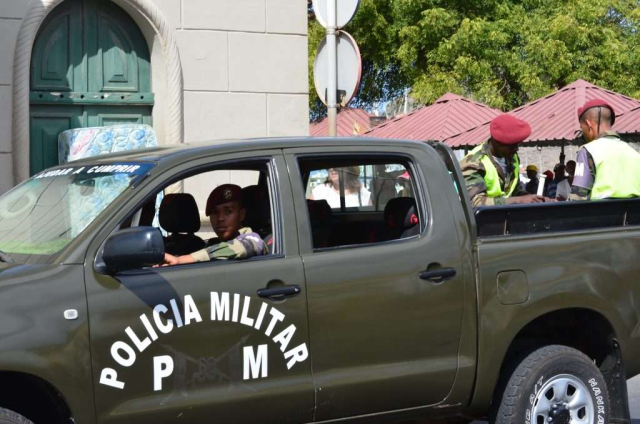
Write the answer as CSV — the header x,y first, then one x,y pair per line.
x,y
473,171
246,245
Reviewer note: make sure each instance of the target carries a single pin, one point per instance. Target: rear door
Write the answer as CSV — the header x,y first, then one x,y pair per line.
x,y
196,343
382,338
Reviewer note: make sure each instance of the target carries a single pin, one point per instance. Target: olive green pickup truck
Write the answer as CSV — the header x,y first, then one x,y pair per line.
x,y
381,294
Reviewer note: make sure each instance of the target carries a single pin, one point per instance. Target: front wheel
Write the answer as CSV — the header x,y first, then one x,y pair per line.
x,y
10,417
554,385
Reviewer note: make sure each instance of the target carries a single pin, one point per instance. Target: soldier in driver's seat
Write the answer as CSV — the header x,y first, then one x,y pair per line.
x,y
226,211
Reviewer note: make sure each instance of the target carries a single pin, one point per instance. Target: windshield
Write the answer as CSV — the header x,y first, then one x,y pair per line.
x,y
45,213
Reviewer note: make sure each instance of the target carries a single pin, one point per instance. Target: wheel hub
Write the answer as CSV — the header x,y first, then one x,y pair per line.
x,y
559,414
563,399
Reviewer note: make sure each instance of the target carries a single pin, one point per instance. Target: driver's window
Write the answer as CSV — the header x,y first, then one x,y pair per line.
x,y
210,208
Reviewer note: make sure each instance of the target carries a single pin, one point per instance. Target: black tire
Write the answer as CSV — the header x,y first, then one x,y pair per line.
x,y
538,377
10,417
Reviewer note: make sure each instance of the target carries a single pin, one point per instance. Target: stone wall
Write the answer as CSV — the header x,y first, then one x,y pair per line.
x,y
244,68
545,158
11,14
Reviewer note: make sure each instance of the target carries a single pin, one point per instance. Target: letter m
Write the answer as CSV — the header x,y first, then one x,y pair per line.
x,y
219,307
254,363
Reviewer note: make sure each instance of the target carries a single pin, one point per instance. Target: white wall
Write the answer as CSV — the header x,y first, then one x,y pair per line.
x,y
245,68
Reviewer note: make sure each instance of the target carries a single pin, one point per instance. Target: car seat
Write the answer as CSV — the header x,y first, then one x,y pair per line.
x,y
401,219
258,213
320,220
179,216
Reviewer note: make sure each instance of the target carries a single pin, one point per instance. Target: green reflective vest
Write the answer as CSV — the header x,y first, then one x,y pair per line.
x,y
491,177
617,169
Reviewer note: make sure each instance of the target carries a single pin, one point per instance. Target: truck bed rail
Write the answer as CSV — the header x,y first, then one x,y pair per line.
x,y
556,217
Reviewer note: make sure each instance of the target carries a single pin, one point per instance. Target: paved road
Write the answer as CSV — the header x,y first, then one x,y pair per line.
x,y
634,399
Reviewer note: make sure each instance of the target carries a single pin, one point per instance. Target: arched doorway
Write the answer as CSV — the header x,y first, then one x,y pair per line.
x,y
90,66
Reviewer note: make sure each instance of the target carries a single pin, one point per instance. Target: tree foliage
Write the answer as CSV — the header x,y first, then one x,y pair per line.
x,y
503,53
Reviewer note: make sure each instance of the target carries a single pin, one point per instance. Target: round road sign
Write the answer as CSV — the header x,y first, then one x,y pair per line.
x,y
345,9
349,65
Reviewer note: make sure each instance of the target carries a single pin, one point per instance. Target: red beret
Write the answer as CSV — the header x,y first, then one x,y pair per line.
x,y
597,103
508,129
223,194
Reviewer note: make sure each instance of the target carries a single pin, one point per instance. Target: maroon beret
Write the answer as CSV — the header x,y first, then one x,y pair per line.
x,y
508,129
597,103
223,194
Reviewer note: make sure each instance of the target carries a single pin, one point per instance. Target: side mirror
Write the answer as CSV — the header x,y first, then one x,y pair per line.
x,y
132,248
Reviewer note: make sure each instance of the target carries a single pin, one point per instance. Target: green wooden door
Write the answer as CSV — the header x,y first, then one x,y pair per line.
x,y
90,67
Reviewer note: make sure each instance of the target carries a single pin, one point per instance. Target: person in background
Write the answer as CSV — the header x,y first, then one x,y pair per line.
x,y
226,211
490,170
403,185
606,167
532,173
548,177
571,170
558,176
564,186
355,194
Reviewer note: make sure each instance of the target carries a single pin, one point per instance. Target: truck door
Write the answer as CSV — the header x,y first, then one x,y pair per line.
x,y
383,269
197,342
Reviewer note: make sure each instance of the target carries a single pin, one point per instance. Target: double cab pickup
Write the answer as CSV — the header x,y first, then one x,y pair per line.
x,y
381,294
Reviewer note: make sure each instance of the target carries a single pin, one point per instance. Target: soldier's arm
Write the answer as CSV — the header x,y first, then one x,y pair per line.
x,y
584,176
242,247
579,193
473,173
520,190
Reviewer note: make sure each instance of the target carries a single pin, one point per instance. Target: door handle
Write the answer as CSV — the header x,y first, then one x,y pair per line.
x,y
438,275
279,293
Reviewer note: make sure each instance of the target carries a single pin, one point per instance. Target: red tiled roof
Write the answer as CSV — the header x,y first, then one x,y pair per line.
x,y
350,122
552,118
449,115
628,122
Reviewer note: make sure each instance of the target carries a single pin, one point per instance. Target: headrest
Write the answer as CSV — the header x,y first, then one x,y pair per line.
x,y
320,221
319,210
400,213
256,203
179,213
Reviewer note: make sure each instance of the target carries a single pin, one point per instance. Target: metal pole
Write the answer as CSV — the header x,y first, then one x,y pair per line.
x,y
332,84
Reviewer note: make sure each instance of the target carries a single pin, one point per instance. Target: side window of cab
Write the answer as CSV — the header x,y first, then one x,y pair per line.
x,y
216,214
359,201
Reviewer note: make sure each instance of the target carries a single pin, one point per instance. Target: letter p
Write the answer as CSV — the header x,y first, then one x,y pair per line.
x,y
162,367
109,377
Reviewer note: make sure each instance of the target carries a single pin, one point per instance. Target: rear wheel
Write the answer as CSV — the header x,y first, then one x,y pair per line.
x,y
10,417
554,385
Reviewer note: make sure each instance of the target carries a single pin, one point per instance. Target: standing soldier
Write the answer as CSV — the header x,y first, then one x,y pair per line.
x,y
491,170
606,166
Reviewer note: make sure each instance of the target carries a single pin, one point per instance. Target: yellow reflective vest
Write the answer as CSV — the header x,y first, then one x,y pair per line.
x,y
617,169
492,178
